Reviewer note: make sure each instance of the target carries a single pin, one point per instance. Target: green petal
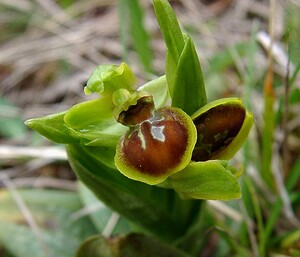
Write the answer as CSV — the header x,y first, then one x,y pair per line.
x,y
210,180
158,88
106,78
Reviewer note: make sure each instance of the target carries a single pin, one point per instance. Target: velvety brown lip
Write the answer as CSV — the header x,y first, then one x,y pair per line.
x,y
154,155
216,128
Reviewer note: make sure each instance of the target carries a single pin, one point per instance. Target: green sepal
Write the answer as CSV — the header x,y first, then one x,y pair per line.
x,y
53,127
188,89
107,78
90,114
93,121
210,180
183,70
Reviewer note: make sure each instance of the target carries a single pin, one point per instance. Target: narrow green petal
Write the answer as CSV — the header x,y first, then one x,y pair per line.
x,y
107,78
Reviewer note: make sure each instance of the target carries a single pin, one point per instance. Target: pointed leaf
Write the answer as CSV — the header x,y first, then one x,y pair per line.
x,y
89,114
146,206
183,70
101,215
169,27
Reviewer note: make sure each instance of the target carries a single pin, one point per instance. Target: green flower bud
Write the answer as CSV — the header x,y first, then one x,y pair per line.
x,y
222,127
159,142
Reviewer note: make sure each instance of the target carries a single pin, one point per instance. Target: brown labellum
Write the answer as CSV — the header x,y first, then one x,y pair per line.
x,y
158,146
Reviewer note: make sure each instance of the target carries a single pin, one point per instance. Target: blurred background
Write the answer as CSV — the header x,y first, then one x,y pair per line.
x,y
48,49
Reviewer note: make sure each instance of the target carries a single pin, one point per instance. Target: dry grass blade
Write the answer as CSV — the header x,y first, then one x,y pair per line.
x,y
45,182
46,153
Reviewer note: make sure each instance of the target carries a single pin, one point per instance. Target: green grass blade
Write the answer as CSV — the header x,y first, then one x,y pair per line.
x,y
293,176
123,28
268,131
269,227
170,28
131,10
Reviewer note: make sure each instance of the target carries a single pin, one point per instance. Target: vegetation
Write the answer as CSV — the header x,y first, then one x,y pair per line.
x,y
48,51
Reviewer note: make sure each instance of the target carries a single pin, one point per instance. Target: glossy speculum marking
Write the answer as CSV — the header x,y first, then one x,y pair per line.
x,y
216,128
157,144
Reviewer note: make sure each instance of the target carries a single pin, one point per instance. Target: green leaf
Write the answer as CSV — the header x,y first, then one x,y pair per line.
x,y
107,78
123,28
294,176
140,37
169,27
101,215
59,234
103,154
210,180
131,245
188,88
10,120
147,206
53,127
